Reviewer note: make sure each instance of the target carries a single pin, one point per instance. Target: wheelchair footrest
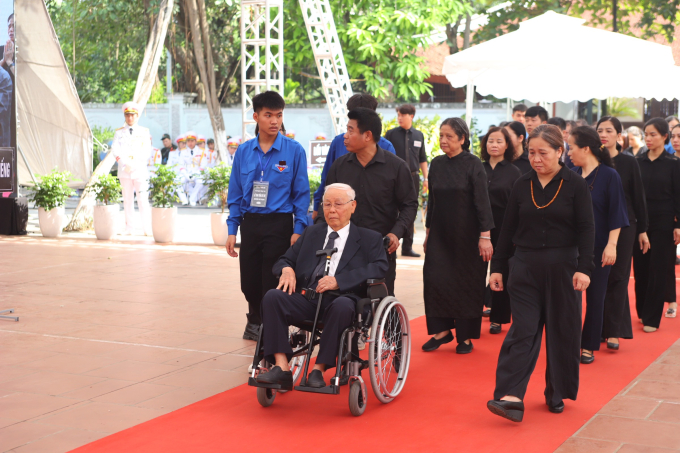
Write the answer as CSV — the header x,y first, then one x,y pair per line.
x,y
253,383
329,389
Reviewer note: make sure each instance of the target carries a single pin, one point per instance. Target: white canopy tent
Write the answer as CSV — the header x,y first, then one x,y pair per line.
x,y
554,57
52,127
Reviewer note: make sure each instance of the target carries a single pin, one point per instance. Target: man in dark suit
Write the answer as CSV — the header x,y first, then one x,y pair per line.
x,y
360,256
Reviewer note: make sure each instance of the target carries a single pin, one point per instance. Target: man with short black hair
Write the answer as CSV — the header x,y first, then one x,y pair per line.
x,y
338,148
409,144
562,125
167,147
534,117
268,199
518,112
386,201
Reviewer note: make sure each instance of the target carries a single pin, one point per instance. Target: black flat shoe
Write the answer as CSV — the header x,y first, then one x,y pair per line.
x,y
433,344
557,409
410,253
512,410
586,359
464,348
495,328
276,376
486,313
614,346
252,332
315,379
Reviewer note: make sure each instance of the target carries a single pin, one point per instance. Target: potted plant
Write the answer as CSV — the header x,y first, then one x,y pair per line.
x,y
107,192
216,180
163,190
50,195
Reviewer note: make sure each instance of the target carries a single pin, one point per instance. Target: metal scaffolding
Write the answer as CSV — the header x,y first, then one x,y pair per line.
x,y
261,54
329,59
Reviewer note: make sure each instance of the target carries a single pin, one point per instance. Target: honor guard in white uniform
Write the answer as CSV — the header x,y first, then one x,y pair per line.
x,y
132,147
156,158
232,146
174,160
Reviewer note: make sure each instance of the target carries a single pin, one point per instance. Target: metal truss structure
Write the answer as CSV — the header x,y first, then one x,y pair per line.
x,y
261,54
330,61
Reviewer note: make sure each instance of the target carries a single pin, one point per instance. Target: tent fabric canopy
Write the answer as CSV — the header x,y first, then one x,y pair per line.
x,y
52,127
531,64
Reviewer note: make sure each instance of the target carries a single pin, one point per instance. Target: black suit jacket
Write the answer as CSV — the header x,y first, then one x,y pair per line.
x,y
364,257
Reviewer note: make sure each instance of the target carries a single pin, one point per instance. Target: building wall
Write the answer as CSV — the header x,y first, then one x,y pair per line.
x,y
307,122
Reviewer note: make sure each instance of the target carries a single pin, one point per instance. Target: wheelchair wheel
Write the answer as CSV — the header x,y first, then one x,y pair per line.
x,y
265,396
297,338
390,353
357,405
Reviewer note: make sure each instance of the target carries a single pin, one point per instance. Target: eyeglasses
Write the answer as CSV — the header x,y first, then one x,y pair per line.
x,y
336,205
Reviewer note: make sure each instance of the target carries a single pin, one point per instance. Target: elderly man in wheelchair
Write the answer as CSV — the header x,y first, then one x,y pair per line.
x,y
325,276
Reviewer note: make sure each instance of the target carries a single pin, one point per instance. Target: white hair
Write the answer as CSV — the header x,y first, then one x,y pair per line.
x,y
346,187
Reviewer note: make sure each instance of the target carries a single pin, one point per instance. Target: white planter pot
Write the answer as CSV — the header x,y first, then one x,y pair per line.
x,y
218,227
52,221
106,221
163,224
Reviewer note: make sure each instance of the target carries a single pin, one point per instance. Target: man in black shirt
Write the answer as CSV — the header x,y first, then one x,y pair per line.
x,y
386,201
409,143
167,147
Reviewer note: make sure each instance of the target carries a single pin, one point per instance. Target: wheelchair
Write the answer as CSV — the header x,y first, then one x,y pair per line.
x,y
389,352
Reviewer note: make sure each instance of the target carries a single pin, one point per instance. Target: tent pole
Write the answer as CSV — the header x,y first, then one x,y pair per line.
x,y
470,95
23,156
507,109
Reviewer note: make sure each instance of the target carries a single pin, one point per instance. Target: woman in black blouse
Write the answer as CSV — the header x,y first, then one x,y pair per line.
x,y
518,135
661,179
498,153
457,242
549,218
617,321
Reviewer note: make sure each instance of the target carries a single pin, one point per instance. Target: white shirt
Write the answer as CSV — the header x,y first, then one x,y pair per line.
x,y
132,148
339,244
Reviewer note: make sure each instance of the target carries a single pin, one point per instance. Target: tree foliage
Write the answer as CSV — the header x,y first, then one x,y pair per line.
x,y
163,186
216,180
52,190
107,189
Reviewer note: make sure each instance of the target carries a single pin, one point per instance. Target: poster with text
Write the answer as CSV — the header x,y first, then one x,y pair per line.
x,y
7,75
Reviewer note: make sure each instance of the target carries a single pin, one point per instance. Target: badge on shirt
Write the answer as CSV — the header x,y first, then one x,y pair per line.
x,y
417,143
281,167
260,193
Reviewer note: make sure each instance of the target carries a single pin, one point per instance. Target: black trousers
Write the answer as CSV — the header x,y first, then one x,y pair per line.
x,y
595,294
670,286
651,276
391,275
407,243
500,300
466,329
617,323
264,238
542,295
280,310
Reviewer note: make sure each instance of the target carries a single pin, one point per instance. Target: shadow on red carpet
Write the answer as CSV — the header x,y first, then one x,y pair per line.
x,y
443,406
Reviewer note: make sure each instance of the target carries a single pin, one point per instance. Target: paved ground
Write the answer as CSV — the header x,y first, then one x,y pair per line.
x,y
113,333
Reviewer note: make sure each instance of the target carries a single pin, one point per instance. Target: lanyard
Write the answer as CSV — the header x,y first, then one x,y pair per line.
x,y
262,167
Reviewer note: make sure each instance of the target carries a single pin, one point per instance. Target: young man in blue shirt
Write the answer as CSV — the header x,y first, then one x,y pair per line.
x,y
269,199
338,149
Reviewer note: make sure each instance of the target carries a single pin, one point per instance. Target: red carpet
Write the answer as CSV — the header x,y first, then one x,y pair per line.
x,y
442,406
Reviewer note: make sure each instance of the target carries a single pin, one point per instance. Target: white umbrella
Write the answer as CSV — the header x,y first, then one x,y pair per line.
x,y
554,57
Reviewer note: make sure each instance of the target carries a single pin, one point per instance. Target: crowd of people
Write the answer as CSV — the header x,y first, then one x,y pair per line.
x,y
552,209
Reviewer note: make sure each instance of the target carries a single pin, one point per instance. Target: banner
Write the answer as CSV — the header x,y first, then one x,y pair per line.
x,y
8,126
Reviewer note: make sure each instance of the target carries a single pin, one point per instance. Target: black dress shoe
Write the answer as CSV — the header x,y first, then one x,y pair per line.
x,y
556,409
276,376
486,313
464,348
495,328
252,332
512,410
315,379
614,346
586,359
410,253
433,344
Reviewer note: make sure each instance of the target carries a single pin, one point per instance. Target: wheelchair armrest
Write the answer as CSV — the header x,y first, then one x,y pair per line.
x,y
376,288
375,281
